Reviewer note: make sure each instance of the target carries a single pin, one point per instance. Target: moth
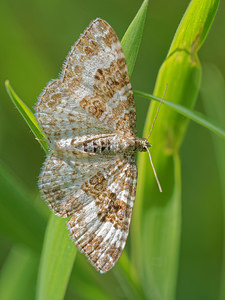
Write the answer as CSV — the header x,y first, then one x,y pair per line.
x,y
88,116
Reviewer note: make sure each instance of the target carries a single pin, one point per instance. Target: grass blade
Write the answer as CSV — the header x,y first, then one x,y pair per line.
x,y
181,71
56,261
18,275
61,242
132,38
190,114
164,230
27,115
62,248
213,95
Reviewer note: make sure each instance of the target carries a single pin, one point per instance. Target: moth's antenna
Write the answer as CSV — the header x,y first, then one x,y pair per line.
x,y
154,171
157,112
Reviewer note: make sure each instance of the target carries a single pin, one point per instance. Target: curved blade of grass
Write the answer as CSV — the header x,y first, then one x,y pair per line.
x,y
27,115
181,71
186,112
18,274
171,231
60,242
64,243
19,217
130,43
213,95
132,38
56,261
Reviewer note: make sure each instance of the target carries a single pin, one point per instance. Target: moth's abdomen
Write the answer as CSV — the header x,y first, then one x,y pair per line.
x,y
108,145
103,145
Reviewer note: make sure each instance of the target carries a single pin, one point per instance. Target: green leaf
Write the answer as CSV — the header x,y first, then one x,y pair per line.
x,y
132,38
165,234
18,274
190,36
27,115
213,95
20,219
190,114
56,261
181,72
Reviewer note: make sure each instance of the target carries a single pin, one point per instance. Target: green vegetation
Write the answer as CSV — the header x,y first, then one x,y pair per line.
x,y
43,262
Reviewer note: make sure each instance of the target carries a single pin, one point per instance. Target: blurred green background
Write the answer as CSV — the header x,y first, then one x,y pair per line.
x,y
36,36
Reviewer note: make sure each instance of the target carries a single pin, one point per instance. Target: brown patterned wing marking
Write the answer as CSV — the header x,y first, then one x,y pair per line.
x,y
93,94
99,57
101,228
60,114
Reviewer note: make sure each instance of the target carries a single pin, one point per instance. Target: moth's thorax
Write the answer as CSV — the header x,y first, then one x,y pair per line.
x,y
113,145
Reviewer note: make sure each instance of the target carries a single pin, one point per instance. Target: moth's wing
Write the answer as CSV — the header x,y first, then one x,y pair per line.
x,y
61,180
60,114
93,94
97,60
99,194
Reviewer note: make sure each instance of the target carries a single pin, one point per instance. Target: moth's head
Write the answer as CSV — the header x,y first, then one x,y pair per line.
x,y
144,145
